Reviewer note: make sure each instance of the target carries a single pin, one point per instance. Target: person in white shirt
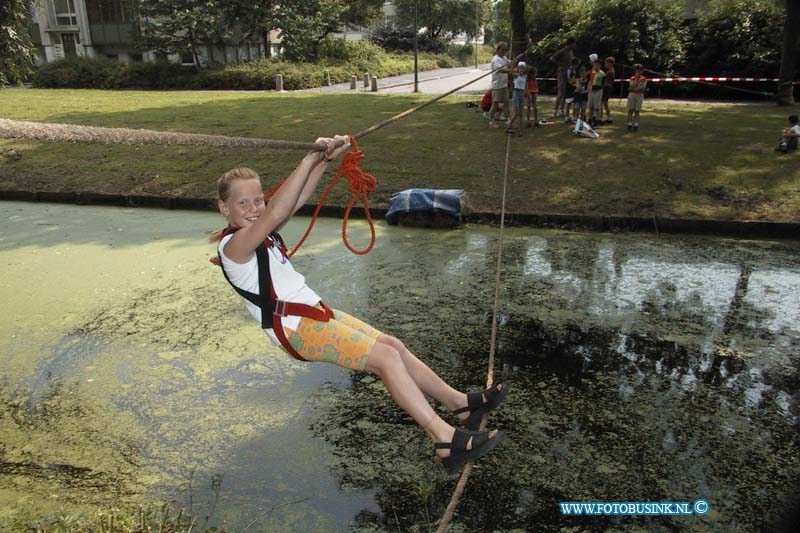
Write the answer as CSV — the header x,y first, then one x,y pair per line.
x,y
789,136
500,69
518,100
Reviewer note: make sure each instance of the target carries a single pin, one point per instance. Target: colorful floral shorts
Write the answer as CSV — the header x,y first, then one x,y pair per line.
x,y
344,340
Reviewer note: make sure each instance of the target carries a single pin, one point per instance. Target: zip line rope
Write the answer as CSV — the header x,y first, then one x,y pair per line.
x,y
455,498
444,523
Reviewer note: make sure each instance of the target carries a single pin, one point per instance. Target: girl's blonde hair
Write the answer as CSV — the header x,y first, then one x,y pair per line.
x,y
224,188
234,174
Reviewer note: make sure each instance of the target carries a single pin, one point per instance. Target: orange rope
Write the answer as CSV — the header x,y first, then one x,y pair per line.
x,y
361,184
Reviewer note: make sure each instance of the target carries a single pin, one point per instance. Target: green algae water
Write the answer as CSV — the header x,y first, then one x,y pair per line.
x,y
643,369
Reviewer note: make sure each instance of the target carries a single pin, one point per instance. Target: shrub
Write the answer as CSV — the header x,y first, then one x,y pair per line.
x,y
340,51
158,75
77,72
342,61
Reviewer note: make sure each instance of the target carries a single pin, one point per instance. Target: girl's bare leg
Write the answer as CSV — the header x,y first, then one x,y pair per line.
x,y
426,379
387,363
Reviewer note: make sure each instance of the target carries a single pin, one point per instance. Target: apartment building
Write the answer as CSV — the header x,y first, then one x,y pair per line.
x,y
96,28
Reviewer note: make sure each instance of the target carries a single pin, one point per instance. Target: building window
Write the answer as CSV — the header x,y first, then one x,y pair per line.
x,y
68,41
65,12
187,58
109,11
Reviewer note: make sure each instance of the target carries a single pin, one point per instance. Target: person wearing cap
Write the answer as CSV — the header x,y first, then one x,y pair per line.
x,y
518,100
501,66
562,58
636,87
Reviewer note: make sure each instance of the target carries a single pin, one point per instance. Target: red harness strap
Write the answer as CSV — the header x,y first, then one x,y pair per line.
x,y
283,308
267,300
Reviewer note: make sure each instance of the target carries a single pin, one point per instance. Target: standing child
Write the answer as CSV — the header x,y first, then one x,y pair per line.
x,y
518,99
486,104
638,84
531,91
608,84
789,136
572,76
581,94
254,261
596,93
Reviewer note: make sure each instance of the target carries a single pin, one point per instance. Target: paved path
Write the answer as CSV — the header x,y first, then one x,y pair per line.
x,y
430,82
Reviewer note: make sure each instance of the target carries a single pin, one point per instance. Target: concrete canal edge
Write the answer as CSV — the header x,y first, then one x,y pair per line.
x,y
728,228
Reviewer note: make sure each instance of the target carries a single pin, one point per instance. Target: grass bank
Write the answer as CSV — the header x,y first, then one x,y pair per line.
x,y
707,161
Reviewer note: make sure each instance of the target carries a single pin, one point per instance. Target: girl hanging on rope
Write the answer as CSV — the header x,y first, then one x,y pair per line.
x,y
253,259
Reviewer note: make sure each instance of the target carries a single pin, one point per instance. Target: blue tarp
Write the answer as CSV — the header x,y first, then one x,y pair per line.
x,y
421,200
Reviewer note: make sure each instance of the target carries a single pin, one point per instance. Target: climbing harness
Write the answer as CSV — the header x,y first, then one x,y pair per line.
x,y
273,310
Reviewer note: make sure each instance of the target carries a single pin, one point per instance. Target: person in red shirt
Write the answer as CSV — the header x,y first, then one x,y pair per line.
x,y
531,90
486,102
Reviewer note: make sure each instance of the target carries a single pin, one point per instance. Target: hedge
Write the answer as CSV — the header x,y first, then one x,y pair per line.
x,y
341,59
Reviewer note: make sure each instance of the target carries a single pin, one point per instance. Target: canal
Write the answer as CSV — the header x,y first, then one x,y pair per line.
x,y
644,368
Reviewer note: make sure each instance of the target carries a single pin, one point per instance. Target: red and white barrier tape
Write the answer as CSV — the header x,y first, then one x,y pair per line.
x,y
681,78
707,78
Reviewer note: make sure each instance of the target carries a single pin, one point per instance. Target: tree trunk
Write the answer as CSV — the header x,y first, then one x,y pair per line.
x,y
267,44
785,93
519,29
193,49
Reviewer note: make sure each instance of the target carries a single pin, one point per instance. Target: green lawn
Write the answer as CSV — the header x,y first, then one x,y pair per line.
x,y
687,160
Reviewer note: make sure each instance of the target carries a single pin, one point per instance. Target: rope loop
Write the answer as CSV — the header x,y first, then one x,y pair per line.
x,y
361,184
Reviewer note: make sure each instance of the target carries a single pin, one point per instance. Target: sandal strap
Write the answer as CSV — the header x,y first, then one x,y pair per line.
x,y
475,400
460,440
461,410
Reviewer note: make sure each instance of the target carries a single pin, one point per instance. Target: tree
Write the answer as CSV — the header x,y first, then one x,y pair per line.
x,y
443,19
252,18
647,31
305,24
737,38
16,48
519,28
789,55
175,26
364,12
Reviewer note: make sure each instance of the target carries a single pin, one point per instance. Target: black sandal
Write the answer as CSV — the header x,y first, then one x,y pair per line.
x,y
477,407
482,444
